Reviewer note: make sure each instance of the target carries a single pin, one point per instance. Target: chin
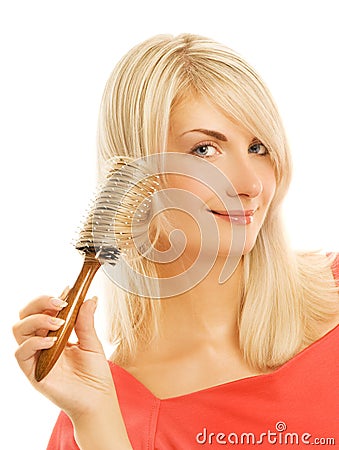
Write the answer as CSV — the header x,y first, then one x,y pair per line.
x,y
225,250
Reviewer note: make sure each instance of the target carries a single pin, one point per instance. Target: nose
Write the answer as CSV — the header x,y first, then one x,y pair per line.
x,y
244,179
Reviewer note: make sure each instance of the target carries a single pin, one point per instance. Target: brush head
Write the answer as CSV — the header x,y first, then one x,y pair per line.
x,y
120,211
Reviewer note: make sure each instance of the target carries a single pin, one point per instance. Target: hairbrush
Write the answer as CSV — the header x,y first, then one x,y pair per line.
x,y
118,214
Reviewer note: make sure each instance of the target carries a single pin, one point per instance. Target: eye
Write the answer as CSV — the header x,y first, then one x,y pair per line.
x,y
259,149
205,150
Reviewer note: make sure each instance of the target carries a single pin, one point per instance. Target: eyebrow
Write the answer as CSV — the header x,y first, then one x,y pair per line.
x,y
212,133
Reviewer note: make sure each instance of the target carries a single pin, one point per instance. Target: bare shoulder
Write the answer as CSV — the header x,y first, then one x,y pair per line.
x,y
331,323
324,315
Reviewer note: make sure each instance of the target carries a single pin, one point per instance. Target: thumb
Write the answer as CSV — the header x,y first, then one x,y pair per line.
x,y
84,327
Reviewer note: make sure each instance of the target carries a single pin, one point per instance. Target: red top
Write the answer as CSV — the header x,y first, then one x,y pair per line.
x,y
294,406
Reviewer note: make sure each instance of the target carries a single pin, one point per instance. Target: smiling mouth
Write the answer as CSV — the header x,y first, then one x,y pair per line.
x,y
237,213
236,217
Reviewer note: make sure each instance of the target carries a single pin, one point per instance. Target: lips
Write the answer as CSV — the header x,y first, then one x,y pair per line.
x,y
234,213
236,217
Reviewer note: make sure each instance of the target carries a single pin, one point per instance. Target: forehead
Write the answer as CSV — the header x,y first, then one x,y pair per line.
x,y
197,111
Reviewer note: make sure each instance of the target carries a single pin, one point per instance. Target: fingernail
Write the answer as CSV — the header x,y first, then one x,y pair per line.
x,y
58,302
95,299
56,321
49,340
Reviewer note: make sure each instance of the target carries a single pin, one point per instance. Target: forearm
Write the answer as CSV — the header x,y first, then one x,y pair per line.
x,y
104,430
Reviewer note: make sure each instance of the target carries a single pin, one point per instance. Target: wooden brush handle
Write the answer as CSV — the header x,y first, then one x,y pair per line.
x,y
75,297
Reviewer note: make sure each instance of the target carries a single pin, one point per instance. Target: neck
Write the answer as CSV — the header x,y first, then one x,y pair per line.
x,y
207,311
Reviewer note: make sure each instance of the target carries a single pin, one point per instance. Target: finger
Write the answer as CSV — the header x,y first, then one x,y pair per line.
x,y
26,353
44,303
84,327
37,324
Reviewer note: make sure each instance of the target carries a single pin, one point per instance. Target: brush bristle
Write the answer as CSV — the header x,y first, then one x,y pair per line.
x,y
120,212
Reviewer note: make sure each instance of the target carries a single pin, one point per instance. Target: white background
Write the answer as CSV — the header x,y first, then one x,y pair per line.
x,y
55,59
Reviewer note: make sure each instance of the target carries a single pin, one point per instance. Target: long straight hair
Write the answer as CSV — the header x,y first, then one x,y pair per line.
x,y
286,294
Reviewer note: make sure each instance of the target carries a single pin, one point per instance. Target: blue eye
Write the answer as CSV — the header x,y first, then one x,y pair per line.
x,y
208,150
258,146
204,150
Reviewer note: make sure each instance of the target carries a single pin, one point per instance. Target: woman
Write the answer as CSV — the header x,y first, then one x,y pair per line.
x,y
236,362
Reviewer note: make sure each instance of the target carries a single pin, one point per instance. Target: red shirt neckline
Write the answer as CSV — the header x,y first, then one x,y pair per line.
x,y
245,380
229,384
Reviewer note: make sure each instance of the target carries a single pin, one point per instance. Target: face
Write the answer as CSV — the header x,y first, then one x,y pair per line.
x,y
199,128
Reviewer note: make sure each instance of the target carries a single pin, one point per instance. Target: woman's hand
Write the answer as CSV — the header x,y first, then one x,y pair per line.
x,y
80,382
81,379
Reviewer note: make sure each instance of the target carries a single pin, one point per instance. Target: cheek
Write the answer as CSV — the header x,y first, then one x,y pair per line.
x,y
189,198
189,185
269,185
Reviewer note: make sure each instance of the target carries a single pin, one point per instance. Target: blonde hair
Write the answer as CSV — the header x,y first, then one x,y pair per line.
x,y
286,293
